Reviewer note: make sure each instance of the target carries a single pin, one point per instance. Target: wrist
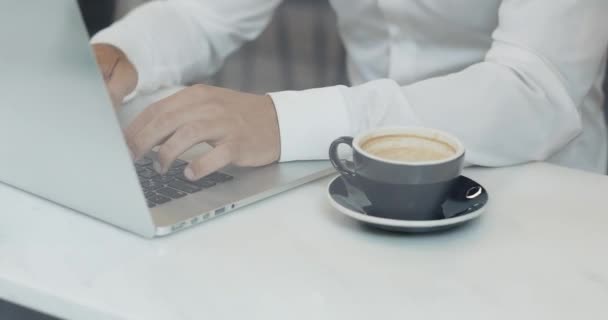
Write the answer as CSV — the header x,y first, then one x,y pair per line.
x,y
276,132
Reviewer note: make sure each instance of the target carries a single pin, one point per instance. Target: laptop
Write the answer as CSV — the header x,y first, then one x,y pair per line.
x,y
61,139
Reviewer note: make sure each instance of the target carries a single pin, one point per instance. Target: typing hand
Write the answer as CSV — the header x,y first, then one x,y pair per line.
x,y
242,128
118,72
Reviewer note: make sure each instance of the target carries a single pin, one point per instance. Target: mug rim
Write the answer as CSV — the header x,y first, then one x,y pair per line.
x,y
423,131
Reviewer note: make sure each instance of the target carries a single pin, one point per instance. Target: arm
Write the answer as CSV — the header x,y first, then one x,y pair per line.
x,y
544,58
525,93
176,42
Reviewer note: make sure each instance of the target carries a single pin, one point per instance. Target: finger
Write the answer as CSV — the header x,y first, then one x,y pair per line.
x,y
179,99
214,160
166,123
185,138
159,129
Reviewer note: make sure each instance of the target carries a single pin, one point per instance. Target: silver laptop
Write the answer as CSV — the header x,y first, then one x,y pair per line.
x,y
60,138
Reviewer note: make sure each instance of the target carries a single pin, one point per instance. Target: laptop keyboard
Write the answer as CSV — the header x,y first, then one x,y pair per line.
x,y
160,189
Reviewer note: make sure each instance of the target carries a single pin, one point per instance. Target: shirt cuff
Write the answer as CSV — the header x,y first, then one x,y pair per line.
x,y
125,37
309,121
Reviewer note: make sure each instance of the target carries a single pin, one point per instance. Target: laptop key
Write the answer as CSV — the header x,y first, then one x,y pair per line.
x,y
171,193
175,171
151,204
158,199
149,194
220,177
143,162
204,183
147,173
184,186
151,185
163,179
226,177
140,169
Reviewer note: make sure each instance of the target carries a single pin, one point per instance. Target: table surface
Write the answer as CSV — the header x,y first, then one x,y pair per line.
x,y
539,252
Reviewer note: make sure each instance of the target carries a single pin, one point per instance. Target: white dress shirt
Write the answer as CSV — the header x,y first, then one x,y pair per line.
x,y
515,80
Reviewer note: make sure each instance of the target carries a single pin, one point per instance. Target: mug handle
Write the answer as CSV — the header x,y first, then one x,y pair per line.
x,y
336,161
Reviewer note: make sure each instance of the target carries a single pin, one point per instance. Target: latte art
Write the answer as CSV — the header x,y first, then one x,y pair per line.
x,y
408,148
411,154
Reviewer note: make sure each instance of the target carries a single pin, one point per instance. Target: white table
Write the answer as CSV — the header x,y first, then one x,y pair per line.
x,y
539,252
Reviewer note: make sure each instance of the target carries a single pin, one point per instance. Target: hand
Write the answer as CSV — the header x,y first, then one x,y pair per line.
x,y
118,72
242,128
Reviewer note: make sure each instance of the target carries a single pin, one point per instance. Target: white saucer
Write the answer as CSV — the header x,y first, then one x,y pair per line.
x,y
351,202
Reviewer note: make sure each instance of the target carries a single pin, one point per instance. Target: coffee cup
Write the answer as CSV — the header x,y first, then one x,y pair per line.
x,y
405,172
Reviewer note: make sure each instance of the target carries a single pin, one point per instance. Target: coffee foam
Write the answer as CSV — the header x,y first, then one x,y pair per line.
x,y
408,148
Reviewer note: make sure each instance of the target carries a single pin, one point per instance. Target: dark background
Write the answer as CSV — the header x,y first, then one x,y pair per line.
x,y
97,14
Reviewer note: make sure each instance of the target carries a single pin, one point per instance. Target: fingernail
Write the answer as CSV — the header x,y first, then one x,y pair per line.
x,y
132,155
157,167
189,173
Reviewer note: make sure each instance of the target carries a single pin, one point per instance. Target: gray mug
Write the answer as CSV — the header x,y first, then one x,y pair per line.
x,y
404,190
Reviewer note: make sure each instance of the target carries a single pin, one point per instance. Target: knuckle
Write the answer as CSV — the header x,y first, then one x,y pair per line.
x,y
154,111
164,120
189,131
215,111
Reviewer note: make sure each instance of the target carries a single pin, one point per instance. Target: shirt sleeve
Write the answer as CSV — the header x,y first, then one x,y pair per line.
x,y
180,41
519,104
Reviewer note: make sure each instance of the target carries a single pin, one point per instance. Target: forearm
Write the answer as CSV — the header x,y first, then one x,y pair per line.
x,y
178,42
520,103
500,121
